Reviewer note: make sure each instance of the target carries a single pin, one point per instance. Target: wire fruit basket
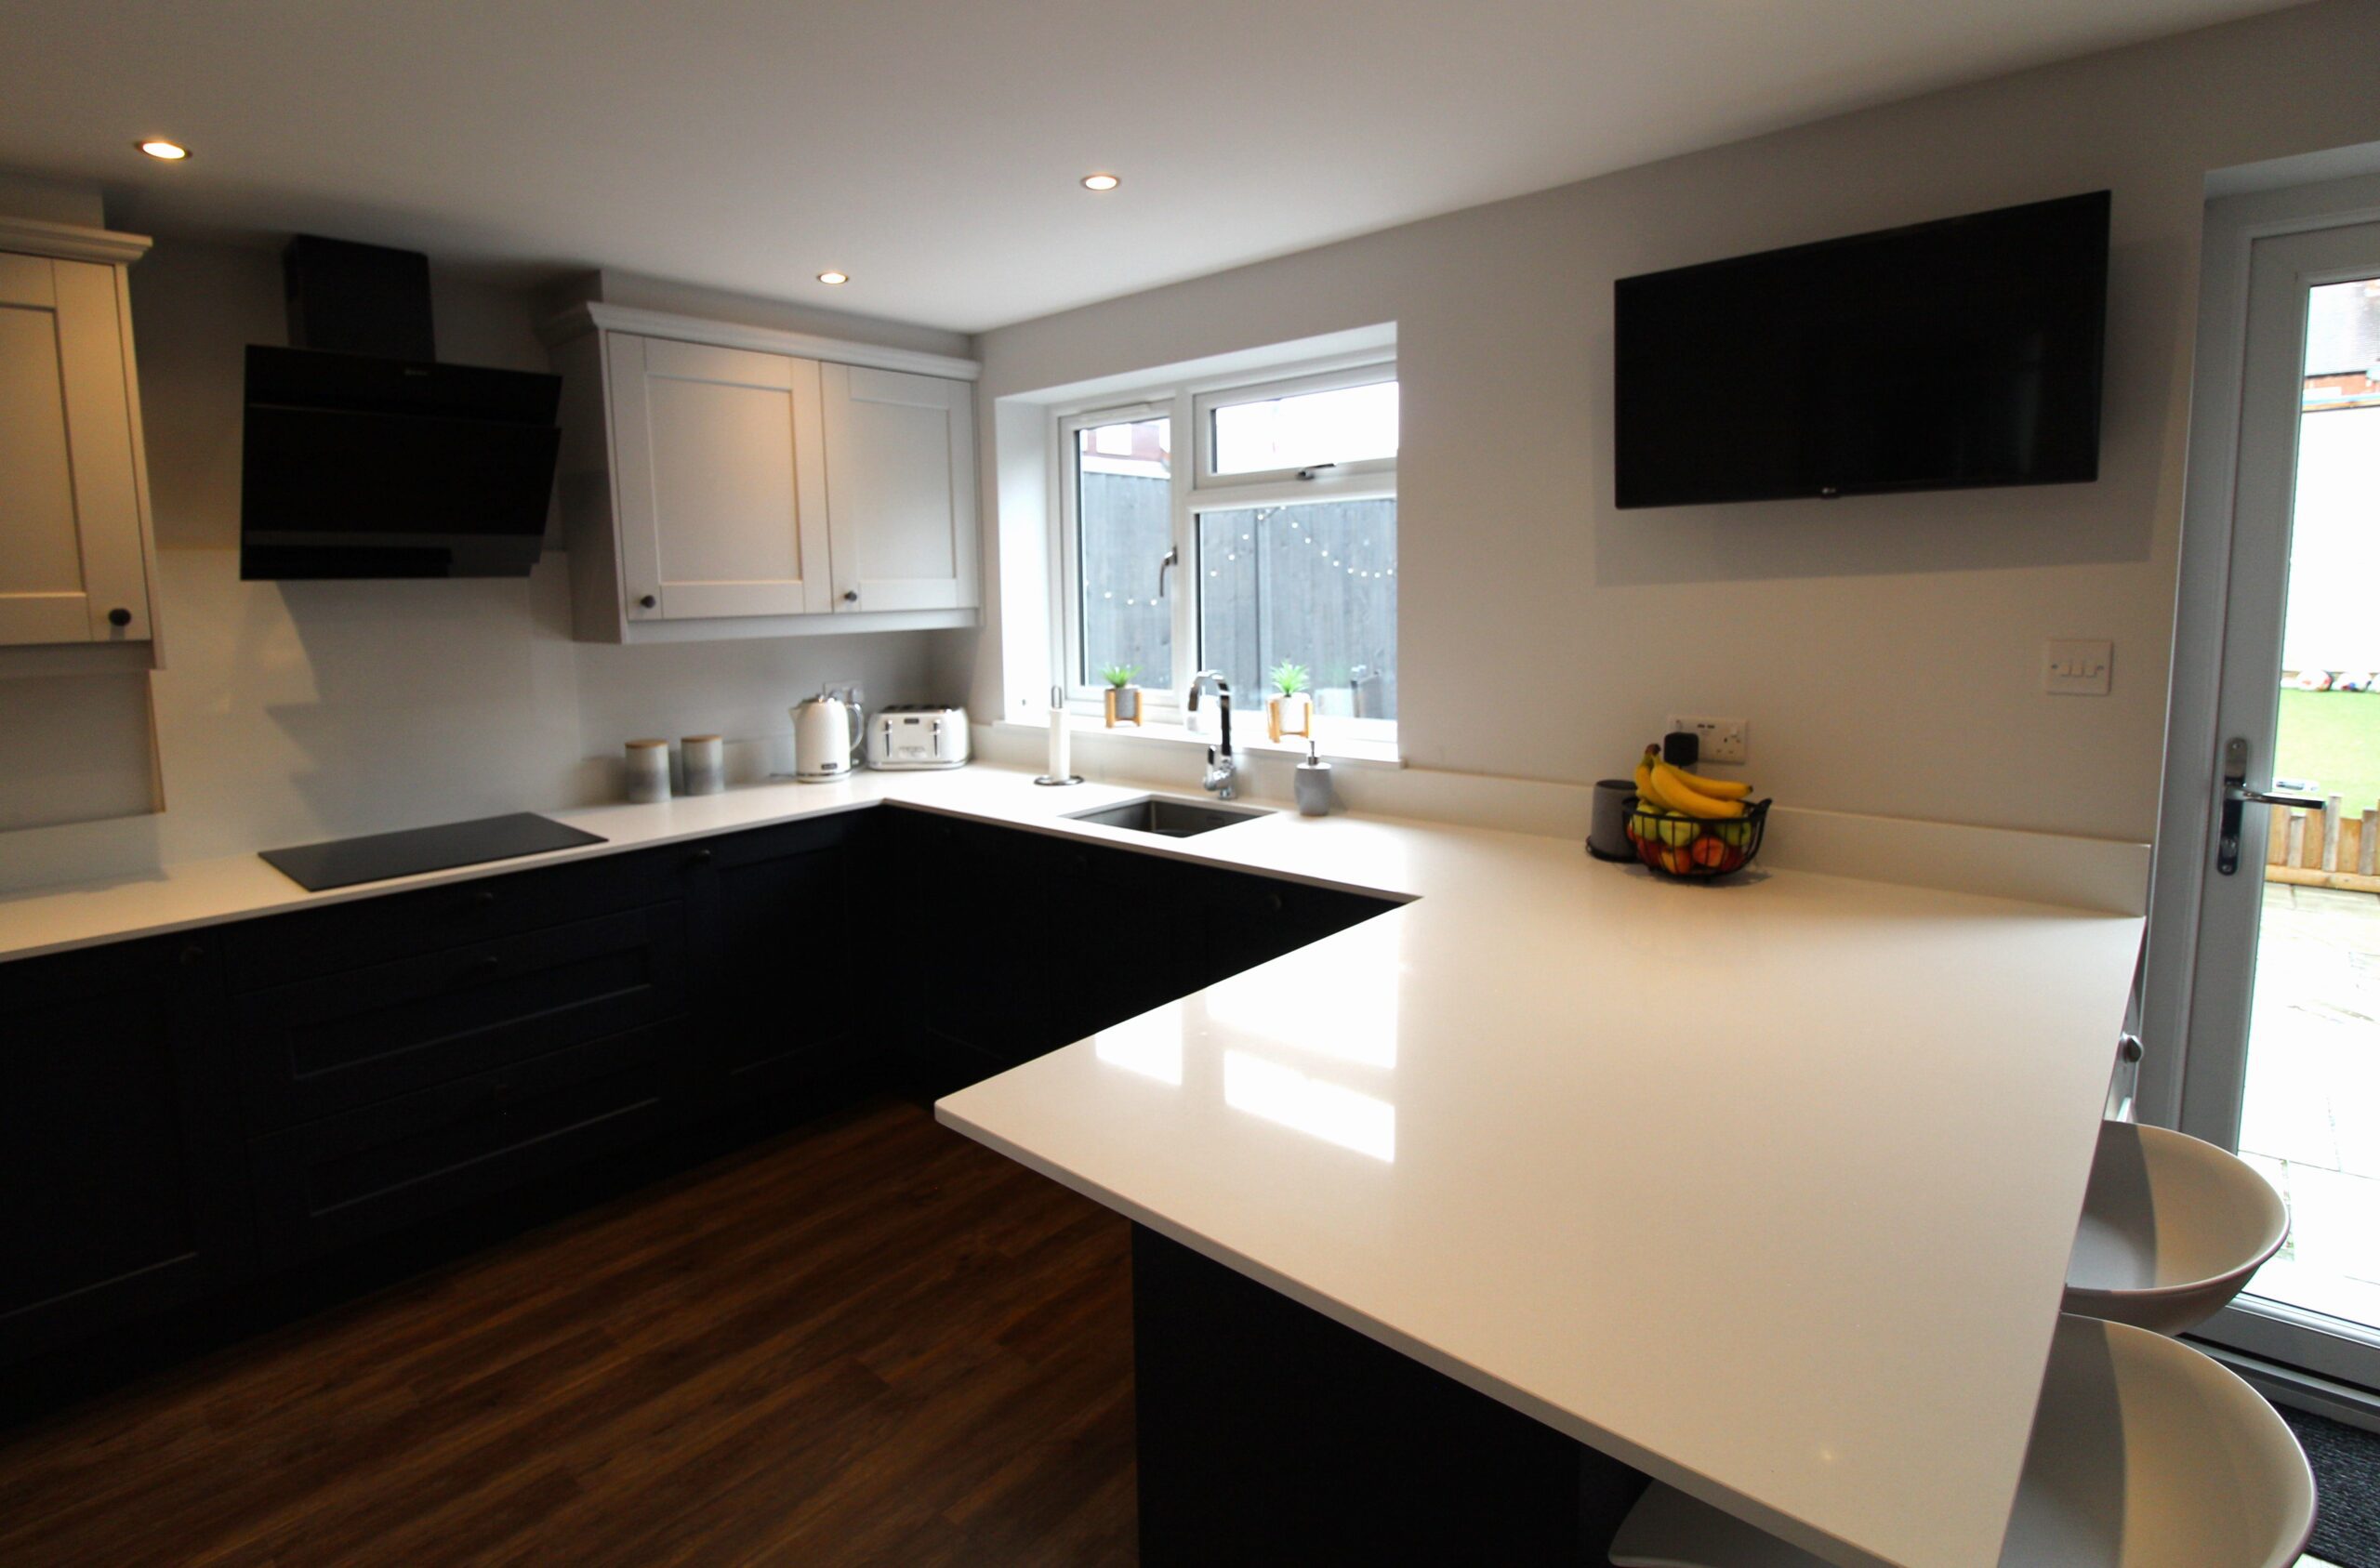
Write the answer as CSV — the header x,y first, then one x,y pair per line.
x,y
1693,848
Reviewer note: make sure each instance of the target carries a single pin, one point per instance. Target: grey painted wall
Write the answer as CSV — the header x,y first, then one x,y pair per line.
x,y
1886,650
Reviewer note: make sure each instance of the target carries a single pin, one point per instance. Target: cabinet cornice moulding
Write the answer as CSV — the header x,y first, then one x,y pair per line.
x,y
594,315
71,242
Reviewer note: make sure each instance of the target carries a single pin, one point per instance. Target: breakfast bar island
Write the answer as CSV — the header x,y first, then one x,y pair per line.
x,y
1454,1226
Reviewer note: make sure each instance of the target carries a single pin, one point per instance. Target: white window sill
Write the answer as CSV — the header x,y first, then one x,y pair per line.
x,y
1351,752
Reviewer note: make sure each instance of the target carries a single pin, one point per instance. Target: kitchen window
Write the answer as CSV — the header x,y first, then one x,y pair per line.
x,y
1268,537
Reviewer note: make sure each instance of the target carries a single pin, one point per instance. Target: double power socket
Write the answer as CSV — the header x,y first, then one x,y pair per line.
x,y
1724,740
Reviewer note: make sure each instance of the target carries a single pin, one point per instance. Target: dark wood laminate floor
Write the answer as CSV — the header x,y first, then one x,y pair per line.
x,y
870,1341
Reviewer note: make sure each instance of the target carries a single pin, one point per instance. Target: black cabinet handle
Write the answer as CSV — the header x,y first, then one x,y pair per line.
x,y
700,857
484,898
647,602
1275,903
850,595
119,617
193,954
490,964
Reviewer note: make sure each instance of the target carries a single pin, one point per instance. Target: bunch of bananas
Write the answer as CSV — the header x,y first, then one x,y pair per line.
x,y
1687,795
1687,824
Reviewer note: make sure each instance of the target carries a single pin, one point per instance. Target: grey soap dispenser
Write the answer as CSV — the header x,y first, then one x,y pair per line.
x,y
1314,783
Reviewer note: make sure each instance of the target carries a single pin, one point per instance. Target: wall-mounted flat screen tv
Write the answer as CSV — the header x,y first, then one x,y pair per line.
x,y
1943,355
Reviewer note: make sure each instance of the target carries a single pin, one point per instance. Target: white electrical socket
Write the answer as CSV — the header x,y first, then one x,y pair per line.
x,y
1724,740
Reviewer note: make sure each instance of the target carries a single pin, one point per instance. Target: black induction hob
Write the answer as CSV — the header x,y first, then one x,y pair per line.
x,y
342,863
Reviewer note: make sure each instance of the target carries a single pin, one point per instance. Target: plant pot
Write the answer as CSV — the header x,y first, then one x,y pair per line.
x,y
1123,706
1289,715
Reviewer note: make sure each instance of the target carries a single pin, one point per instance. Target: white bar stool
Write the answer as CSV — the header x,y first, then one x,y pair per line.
x,y
2172,1229
2145,1453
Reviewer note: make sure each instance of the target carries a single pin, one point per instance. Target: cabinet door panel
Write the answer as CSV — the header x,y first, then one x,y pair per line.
x,y
968,956
70,552
1253,919
1133,933
786,997
900,489
721,494
118,1151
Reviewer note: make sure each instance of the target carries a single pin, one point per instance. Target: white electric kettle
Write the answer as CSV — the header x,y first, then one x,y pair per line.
x,y
827,735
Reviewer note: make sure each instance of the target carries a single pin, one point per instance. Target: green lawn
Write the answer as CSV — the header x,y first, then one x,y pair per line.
x,y
2333,737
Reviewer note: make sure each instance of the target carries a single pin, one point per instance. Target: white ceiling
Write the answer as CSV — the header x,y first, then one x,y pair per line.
x,y
931,150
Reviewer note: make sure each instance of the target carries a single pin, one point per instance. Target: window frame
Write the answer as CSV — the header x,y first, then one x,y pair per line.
x,y
1204,405
1195,490
1084,695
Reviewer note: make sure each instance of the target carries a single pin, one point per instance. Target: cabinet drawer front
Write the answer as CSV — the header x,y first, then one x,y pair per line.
x,y
369,930
339,1181
320,1046
840,830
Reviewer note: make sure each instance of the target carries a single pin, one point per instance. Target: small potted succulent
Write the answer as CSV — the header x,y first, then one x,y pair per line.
x,y
1290,709
1123,697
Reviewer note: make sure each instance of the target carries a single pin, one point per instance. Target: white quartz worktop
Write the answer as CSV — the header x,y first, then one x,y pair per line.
x,y
1766,1189
238,887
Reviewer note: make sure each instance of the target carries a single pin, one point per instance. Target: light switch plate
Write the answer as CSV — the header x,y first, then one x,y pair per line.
x,y
1724,740
2074,669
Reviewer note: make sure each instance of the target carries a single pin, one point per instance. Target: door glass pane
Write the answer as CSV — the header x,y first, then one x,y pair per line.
x,y
2310,1116
1124,499
1350,425
1314,585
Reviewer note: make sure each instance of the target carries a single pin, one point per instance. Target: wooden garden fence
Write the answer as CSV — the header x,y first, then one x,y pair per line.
x,y
2328,847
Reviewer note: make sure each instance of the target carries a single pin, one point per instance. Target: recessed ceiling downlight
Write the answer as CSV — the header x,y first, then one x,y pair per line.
x,y
831,276
158,146
1100,182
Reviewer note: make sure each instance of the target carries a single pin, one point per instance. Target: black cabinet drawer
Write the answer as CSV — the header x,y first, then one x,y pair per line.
x,y
350,936
324,1045
348,1178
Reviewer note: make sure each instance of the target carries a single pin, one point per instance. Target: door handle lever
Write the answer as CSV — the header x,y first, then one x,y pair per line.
x,y
2235,799
2257,797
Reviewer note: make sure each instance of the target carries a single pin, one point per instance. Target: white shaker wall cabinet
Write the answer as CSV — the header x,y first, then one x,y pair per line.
x,y
74,538
721,462
727,481
900,489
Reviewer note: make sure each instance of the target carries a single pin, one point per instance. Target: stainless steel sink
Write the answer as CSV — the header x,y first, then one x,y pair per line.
x,y
1173,818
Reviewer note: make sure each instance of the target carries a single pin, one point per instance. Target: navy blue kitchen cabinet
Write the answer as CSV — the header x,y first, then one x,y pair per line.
x,y
966,954
1018,943
257,1103
121,1186
786,930
1132,932
406,1056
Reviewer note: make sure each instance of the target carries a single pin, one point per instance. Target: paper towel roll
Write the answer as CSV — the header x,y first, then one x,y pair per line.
x,y
1061,741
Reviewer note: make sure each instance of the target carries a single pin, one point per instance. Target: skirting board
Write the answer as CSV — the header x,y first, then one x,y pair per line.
x,y
2106,875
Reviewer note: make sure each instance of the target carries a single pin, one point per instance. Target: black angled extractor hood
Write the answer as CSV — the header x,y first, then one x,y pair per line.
x,y
362,456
